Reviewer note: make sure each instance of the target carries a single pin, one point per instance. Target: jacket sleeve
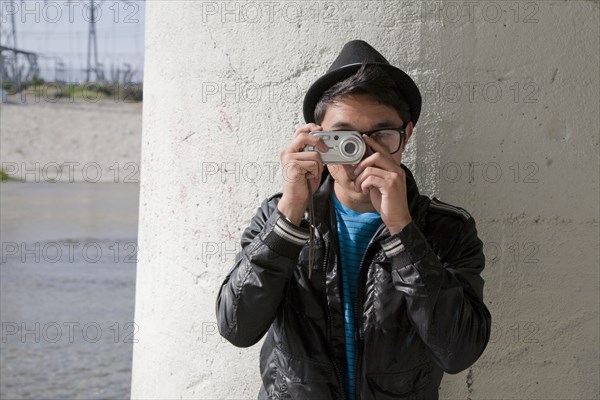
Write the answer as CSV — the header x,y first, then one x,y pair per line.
x,y
253,289
444,297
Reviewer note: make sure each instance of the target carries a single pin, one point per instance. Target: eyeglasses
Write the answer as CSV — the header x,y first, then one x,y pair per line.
x,y
391,138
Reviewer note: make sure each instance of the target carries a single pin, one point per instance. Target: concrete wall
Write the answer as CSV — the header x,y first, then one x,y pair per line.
x,y
509,130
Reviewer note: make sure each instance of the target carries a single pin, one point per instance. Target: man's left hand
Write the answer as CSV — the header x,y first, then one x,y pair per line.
x,y
385,181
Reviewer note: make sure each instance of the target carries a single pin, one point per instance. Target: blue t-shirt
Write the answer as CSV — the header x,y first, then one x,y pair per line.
x,y
355,230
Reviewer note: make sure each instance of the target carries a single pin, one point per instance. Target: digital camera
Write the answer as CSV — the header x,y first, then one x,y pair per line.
x,y
345,147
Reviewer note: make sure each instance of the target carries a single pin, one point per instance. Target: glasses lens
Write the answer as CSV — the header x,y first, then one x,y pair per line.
x,y
389,138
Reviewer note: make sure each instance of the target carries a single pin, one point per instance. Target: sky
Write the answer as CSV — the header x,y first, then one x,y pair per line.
x,y
58,31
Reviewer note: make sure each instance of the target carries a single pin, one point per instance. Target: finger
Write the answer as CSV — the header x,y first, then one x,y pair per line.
x,y
304,139
303,156
377,160
372,182
307,157
335,169
303,133
300,129
295,170
370,171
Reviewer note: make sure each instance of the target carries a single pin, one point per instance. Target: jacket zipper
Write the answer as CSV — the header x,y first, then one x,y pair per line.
x,y
358,310
335,363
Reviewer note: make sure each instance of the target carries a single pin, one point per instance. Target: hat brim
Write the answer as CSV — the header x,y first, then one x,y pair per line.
x,y
407,87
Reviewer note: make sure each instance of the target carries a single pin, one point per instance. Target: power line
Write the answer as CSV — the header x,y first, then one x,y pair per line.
x,y
99,60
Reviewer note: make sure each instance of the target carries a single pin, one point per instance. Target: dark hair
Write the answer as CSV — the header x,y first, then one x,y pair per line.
x,y
369,79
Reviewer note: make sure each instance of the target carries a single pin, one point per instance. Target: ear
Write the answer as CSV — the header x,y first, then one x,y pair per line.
x,y
409,131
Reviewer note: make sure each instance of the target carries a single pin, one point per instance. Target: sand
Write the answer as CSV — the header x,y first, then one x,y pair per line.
x,y
70,140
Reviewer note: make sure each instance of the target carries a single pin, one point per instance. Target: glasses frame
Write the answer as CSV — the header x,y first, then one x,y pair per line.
x,y
401,130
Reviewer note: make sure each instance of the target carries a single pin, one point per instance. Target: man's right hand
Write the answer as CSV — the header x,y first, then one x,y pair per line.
x,y
299,166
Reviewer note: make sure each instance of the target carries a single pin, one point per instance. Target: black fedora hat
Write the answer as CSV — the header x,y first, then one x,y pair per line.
x,y
353,55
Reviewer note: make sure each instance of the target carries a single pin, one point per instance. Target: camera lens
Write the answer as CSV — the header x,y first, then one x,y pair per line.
x,y
349,148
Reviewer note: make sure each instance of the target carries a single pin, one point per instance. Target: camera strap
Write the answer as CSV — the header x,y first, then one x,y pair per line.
x,y
311,238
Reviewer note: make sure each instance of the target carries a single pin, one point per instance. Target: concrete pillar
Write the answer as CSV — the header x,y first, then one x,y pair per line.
x,y
509,130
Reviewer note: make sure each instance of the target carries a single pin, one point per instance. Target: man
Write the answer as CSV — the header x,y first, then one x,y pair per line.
x,y
395,296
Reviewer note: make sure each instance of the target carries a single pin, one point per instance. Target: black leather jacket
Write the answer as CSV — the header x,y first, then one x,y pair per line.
x,y
419,306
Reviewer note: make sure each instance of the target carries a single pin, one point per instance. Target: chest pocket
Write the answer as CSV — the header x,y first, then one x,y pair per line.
x,y
301,378
400,385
